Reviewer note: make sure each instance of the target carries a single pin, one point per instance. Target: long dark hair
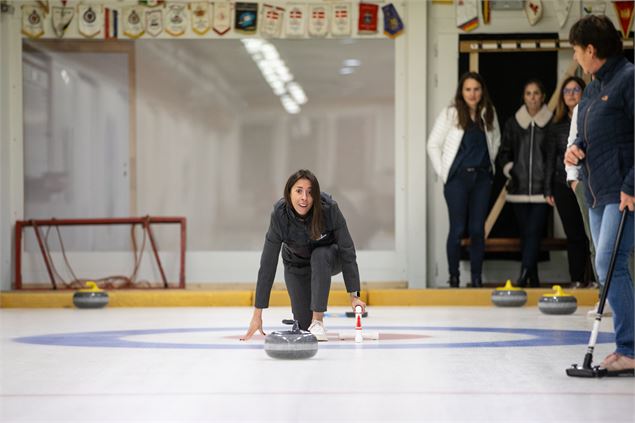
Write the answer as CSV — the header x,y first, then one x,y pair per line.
x,y
562,109
464,110
317,221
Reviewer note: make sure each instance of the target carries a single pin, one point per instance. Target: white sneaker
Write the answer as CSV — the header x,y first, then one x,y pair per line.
x,y
608,311
317,329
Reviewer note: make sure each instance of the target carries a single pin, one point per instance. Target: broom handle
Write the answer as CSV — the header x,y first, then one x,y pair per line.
x,y
609,273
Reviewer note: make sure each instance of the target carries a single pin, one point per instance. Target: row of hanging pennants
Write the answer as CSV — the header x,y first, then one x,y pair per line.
x,y
467,13
155,17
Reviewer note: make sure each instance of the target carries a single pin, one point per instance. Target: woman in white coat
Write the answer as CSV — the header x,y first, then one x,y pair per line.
x,y
462,148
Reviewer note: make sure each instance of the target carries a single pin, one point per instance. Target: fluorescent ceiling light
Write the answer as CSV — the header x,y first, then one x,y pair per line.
x,y
346,71
276,72
352,63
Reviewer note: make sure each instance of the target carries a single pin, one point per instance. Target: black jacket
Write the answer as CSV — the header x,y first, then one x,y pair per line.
x,y
291,233
557,136
523,149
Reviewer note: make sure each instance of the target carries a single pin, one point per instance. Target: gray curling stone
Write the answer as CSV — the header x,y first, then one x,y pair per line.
x,y
294,344
558,302
509,296
92,297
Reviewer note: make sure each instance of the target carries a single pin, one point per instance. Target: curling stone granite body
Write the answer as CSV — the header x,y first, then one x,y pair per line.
x,y
291,344
508,296
557,302
92,297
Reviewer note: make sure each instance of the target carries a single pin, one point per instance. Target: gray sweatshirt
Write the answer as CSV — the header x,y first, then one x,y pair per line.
x,y
291,233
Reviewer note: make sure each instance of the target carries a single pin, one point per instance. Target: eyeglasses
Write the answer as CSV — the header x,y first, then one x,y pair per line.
x,y
576,90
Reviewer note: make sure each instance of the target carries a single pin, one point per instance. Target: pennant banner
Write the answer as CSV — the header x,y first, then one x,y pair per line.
x,y
134,23
32,21
89,22
111,23
151,3
393,25
175,22
318,20
533,9
341,18
562,10
486,9
593,7
271,25
295,22
624,12
367,18
466,15
62,17
154,22
246,17
201,21
222,17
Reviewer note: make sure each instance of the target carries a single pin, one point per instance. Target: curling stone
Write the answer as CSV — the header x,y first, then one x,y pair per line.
x,y
291,344
558,302
509,296
90,297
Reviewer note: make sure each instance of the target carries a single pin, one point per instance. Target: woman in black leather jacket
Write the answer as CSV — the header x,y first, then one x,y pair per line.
x,y
312,233
523,158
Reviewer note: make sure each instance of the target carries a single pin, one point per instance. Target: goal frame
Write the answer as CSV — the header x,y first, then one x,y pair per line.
x,y
145,222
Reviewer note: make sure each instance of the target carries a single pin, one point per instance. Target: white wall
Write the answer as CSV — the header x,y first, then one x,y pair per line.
x,y
11,184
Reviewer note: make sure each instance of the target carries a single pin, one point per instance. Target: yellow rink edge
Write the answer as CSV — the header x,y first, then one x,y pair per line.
x,y
200,298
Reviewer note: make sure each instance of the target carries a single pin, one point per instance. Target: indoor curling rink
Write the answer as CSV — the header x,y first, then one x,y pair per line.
x,y
187,364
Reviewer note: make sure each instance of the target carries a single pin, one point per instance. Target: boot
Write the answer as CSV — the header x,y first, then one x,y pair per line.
x,y
477,281
454,281
534,281
522,279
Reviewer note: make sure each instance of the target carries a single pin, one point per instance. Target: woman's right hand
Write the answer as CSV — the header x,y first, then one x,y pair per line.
x,y
254,325
573,155
550,200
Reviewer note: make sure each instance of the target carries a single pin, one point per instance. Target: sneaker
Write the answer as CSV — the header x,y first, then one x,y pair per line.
x,y
608,311
317,329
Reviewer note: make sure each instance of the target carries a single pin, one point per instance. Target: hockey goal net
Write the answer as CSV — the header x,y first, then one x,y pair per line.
x,y
109,251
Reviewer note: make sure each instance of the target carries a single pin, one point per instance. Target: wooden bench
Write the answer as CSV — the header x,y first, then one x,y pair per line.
x,y
506,245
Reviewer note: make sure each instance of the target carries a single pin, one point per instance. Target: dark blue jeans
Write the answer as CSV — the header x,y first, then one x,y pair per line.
x,y
467,196
531,219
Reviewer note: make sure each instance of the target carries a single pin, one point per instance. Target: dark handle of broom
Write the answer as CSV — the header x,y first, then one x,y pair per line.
x,y
609,273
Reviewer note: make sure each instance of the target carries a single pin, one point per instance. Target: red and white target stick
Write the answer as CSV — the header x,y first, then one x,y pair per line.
x,y
358,324
359,335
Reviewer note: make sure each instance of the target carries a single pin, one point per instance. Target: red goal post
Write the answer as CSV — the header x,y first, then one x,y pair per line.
x,y
145,222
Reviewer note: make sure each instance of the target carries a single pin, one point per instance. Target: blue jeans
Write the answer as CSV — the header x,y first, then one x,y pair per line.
x,y
604,221
467,197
